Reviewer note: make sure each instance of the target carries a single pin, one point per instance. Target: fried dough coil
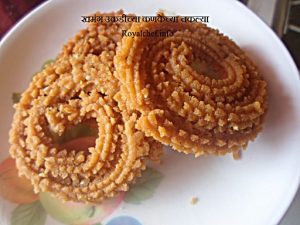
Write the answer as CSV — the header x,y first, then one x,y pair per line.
x,y
196,90
67,92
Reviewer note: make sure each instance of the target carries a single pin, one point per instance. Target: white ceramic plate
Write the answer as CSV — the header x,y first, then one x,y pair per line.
x,y
255,190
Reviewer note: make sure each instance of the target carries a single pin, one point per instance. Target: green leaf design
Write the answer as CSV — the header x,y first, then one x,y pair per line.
x,y
77,213
144,187
47,62
92,211
44,66
79,130
16,97
29,214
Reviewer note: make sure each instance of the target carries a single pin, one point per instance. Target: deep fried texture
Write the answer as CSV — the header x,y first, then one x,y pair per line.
x,y
196,90
72,90
95,48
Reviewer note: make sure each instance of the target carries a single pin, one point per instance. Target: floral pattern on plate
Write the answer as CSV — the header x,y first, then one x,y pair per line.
x,y
33,209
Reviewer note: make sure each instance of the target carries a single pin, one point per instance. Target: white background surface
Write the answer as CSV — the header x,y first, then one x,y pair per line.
x,y
265,10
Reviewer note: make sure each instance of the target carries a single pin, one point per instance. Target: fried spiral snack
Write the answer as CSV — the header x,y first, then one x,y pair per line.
x,y
196,90
96,46
67,92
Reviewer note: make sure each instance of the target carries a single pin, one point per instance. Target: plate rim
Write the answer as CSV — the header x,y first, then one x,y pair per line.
x,y
277,218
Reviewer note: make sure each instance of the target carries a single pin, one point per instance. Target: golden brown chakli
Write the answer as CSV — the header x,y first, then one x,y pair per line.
x,y
196,90
77,88
193,89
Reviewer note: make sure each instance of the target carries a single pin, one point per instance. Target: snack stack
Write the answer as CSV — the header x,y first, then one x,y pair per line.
x,y
194,90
